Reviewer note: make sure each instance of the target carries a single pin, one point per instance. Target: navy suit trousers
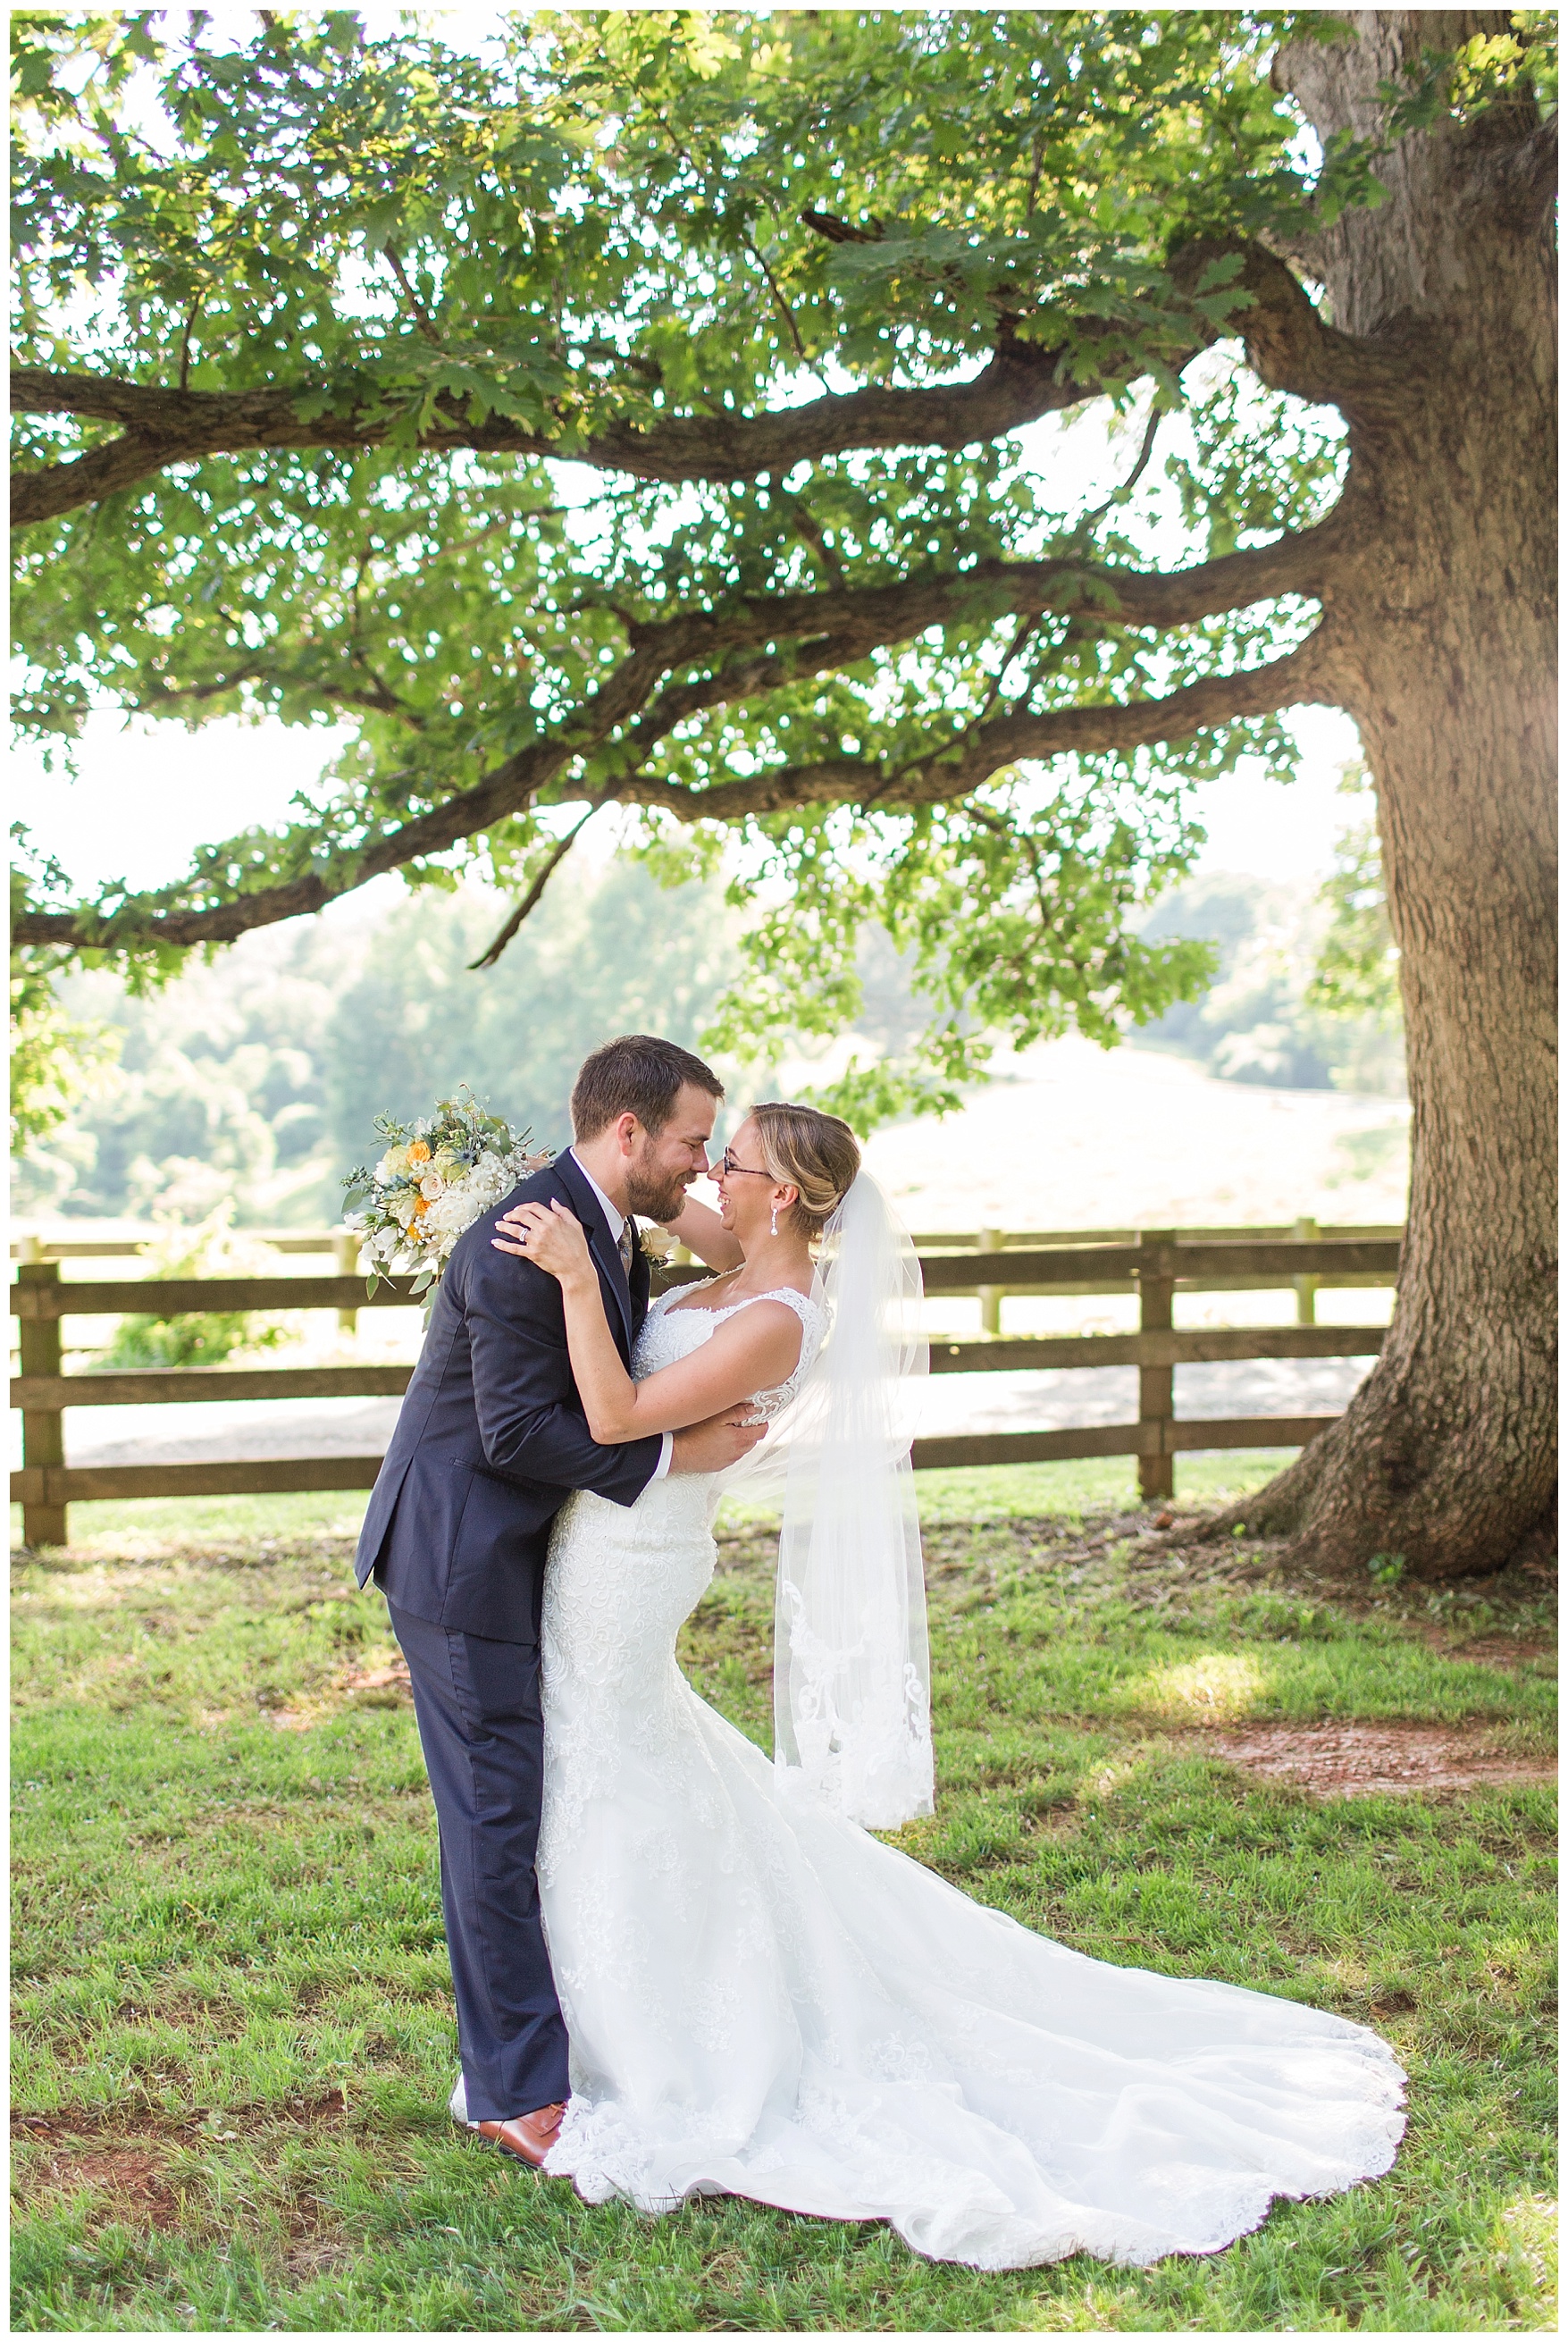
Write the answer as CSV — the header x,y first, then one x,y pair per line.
x,y
480,1724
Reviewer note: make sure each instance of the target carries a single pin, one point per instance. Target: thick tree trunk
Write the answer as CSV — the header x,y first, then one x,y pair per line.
x,y
1444,638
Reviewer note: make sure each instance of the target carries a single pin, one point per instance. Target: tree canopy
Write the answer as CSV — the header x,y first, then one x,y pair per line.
x,y
671,411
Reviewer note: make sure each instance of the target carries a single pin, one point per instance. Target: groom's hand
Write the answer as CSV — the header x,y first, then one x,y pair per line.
x,y
722,1440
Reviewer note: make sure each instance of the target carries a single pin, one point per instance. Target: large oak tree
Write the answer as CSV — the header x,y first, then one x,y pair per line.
x,y
667,411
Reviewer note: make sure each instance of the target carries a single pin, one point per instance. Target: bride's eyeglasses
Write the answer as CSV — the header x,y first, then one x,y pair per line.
x,y
730,1166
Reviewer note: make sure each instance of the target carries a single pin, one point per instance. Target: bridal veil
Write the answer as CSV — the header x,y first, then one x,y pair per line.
x,y
851,1673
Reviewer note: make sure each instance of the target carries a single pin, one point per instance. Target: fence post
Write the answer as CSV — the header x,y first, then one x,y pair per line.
x,y
345,1251
1306,1287
991,1240
1157,1385
43,1429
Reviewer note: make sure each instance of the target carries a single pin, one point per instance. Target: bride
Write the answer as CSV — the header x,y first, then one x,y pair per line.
x,y
763,1999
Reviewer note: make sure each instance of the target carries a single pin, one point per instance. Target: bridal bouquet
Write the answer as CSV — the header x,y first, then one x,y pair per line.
x,y
435,1177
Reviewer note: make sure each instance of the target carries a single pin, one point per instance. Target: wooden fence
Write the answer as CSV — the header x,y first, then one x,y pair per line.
x,y
1154,1264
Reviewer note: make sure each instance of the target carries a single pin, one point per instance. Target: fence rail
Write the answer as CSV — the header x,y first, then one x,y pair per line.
x,y
1156,1264
33,1244
29,1245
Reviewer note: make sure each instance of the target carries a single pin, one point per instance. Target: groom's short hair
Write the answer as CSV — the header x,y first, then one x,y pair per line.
x,y
638,1074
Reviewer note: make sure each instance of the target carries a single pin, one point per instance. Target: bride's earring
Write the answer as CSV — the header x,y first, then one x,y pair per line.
x,y
773,1223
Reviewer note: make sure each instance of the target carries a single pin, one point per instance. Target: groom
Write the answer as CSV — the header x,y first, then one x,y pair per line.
x,y
490,1441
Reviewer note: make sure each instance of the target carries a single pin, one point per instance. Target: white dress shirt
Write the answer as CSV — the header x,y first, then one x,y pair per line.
x,y
616,1221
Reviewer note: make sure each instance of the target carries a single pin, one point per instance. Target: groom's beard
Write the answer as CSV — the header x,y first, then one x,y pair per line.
x,y
655,1195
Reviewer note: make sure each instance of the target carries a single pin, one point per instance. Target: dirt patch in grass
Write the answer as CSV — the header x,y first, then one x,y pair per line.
x,y
131,2172
375,1684
381,1679
1368,1760
314,2114
85,2131
1506,1650
130,2177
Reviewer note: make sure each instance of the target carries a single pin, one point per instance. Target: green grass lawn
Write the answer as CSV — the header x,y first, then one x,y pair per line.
x,y
233,2037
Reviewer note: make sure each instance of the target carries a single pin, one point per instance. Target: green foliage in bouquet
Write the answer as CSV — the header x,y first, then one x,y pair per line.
x,y
433,1179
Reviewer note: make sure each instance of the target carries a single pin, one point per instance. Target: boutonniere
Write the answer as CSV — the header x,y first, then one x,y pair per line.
x,y
658,1246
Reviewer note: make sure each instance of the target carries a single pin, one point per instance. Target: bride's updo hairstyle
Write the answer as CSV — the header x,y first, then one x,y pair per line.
x,y
814,1152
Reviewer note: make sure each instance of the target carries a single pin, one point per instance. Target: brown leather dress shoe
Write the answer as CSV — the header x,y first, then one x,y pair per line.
x,y
528,2138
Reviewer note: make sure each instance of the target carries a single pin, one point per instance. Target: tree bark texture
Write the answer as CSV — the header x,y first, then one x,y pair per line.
x,y
1441,642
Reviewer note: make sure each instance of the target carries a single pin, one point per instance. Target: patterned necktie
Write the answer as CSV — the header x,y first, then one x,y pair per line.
x,y
626,1248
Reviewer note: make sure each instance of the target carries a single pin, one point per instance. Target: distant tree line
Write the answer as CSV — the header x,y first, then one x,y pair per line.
x,y
1305,991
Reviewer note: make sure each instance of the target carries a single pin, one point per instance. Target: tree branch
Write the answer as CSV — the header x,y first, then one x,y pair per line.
x,y
824,632
777,637
867,617
1124,488
421,314
948,773
493,798
782,306
57,489
532,899
185,339
1288,344
376,700
165,426
943,778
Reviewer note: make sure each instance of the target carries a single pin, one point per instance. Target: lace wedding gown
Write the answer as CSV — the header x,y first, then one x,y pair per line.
x,y
765,2001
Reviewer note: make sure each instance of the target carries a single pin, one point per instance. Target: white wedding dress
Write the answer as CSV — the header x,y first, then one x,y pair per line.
x,y
765,2001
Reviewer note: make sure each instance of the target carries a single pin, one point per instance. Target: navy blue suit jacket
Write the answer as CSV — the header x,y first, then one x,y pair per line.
x,y
492,1438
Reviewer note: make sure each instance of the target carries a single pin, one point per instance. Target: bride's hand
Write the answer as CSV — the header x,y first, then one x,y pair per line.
x,y
551,1238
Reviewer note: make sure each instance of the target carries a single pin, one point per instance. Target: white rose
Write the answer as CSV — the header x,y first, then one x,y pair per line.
x,y
433,1186
459,1207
